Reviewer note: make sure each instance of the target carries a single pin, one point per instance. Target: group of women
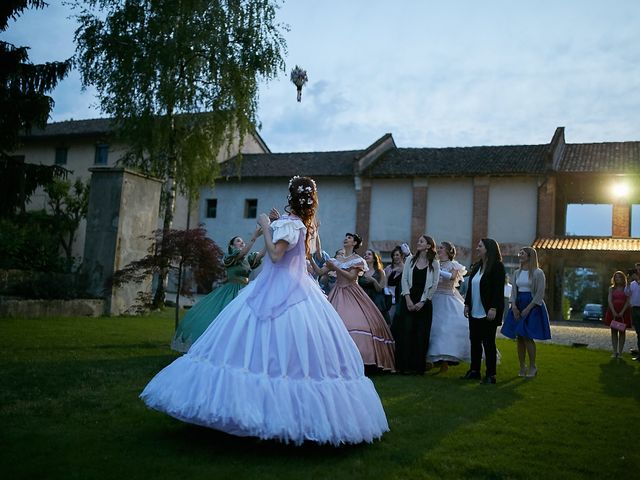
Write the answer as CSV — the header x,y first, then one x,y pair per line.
x,y
278,363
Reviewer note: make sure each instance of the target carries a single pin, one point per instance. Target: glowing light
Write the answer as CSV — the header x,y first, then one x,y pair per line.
x,y
620,189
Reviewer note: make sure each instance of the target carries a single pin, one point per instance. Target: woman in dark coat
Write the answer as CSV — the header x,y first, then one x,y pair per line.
x,y
484,305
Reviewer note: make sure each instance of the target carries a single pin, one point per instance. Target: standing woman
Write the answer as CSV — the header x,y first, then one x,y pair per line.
x,y
449,341
238,263
393,272
412,326
373,281
618,309
483,305
277,363
363,320
528,319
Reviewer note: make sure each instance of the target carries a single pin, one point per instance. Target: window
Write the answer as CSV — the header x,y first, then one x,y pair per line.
x,y
635,220
212,207
250,208
61,155
589,220
102,154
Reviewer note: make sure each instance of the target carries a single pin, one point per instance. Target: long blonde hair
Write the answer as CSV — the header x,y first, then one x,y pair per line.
x,y
533,259
613,279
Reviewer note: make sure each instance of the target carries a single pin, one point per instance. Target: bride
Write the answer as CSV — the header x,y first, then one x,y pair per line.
x,y
278,362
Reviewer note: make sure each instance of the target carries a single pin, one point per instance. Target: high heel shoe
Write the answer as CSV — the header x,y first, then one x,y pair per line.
x,y
523,371
488,380
532,372
471,375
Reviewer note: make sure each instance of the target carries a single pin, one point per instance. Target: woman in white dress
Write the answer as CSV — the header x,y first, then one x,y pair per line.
x,y
449,342
278,362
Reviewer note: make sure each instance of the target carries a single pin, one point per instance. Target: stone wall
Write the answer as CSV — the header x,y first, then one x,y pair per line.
x,y
20,308
123,213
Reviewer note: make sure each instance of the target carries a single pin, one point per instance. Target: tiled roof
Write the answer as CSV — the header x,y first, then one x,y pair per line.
x,y
95,126
588,243
497,160
289,164
611,157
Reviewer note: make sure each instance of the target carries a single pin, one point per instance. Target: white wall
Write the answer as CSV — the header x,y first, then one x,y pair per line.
x,y
513,207
390,218
337,211
450,213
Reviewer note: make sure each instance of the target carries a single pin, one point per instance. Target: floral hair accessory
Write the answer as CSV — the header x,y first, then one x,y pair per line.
x,y
294,178
300,189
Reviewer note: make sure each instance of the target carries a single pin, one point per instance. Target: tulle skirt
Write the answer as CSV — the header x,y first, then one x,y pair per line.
x,y
534,326
365,324
449,339
296,376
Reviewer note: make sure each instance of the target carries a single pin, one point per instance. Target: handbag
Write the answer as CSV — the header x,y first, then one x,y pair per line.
x,y
615,324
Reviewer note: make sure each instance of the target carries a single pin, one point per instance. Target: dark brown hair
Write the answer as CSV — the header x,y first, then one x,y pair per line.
x,y
303,202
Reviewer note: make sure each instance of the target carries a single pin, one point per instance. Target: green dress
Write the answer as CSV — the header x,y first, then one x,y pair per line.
x,y
205,311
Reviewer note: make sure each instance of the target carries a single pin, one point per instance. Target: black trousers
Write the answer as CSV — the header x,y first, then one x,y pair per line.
x,y
412,331
482,334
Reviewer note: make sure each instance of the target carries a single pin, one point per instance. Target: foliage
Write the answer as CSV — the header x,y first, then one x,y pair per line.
x,y
69,204
178,77
24,102
20,180
30,242
180,80
582,286
59,286
180,249
77,380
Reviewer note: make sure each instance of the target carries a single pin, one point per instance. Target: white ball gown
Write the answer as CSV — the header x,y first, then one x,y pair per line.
x,y
277,363
449,339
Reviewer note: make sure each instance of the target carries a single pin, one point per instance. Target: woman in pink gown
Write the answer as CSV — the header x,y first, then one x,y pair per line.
x,y
363,320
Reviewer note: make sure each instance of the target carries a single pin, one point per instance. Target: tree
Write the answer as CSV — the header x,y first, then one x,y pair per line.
x,y
24,102
69,204
182,248
180,79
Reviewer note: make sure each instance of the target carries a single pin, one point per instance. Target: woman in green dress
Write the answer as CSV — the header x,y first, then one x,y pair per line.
x,y
238,263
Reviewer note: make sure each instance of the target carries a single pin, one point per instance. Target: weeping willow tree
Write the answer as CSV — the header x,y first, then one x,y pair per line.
x,y
180,79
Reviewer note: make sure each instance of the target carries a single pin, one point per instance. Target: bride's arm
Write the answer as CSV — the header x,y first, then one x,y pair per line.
x,y
274,250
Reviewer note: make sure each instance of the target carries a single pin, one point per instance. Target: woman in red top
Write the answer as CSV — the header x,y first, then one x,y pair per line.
x,y
618,310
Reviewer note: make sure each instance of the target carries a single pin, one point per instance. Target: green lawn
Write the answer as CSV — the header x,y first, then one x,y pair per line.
x,y
69,408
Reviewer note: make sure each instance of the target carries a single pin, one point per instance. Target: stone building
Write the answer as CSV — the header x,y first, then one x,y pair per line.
x,y
80,145
517,194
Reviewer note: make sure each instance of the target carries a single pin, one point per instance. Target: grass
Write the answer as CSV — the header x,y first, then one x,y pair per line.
x,y
69,408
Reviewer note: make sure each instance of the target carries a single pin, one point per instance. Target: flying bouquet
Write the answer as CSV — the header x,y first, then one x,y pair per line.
x,y
299,78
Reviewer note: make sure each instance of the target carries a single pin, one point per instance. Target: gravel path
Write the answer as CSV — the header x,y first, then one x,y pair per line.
x,y
593,335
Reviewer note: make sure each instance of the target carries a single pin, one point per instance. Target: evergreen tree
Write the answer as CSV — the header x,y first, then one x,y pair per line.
x,y
24,86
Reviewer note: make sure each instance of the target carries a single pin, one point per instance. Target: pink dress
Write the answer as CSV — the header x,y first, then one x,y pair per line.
x,y
363,320
618,298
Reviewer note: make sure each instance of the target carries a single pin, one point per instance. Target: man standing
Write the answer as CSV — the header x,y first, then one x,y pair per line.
x,y
633,291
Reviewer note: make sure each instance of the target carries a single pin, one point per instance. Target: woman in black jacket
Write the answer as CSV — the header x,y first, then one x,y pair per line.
x,y
484,305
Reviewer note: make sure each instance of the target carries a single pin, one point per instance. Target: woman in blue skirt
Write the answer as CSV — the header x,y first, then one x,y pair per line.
x,y
528,319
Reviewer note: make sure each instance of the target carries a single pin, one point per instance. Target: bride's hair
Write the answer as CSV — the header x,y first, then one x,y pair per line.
x,y
303,202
